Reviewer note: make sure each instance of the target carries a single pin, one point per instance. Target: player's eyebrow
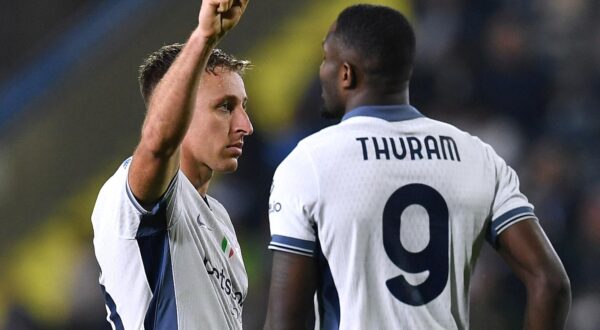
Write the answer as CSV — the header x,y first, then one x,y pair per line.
x,y
231,97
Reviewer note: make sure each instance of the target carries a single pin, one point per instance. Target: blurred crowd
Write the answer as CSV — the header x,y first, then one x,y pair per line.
x,y
522,75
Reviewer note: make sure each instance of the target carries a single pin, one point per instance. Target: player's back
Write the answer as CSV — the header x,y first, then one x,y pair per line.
x,y
403,204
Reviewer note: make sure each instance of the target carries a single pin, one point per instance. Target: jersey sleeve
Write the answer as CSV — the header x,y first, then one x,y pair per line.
x,y
132,220
294,195
510,205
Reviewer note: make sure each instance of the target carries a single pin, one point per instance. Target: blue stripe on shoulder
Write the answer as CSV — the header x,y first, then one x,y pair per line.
x,y
154,222
503,221
153,242
112,307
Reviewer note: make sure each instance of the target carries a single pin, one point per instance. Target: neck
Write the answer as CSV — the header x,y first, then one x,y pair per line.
x,y
199,175
369,97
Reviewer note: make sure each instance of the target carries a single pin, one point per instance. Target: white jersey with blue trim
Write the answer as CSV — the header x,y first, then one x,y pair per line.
x,y
178,266
395,206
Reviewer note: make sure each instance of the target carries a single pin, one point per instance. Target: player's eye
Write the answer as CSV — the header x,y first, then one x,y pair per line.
x,y
226,106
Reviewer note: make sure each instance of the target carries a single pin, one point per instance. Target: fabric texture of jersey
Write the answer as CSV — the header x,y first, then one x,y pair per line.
x,y
395,207
178,266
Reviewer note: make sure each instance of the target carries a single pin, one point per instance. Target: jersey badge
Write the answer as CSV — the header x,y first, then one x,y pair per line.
x,y
227,248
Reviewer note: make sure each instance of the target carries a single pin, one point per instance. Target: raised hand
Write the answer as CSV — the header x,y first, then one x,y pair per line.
x,y
219,16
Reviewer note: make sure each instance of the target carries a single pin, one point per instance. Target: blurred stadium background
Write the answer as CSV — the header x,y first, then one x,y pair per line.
x,y
522,75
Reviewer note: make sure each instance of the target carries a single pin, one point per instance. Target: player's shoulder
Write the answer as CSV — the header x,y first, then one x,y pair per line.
x,y
304,151
301,157
125,164
458,134
320,137
111,194
321,142
469,144
119,177
448,128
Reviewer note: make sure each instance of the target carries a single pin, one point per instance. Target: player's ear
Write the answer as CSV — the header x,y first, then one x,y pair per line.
x,y
347,76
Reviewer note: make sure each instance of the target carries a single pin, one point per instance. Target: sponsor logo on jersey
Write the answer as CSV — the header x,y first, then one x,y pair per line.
x,y
227,286
126,162
274,207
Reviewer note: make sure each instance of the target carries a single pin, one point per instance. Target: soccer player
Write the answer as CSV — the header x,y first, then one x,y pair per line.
x,y
168,253
384,214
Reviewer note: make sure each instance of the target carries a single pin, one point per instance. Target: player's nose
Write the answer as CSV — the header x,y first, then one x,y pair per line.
x,y
242,123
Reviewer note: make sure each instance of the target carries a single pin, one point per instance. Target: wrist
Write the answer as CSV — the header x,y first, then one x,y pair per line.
x,y
206,37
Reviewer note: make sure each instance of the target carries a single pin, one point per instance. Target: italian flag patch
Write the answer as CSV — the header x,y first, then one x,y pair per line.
x,y
225,245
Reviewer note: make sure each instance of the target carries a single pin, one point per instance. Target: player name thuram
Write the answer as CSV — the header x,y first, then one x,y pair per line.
x,y
409,148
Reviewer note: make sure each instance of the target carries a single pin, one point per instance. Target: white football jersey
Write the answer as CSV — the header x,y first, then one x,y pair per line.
x,y
178,266
395,206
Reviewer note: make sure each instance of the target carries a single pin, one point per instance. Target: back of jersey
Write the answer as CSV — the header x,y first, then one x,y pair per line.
x,y
396,207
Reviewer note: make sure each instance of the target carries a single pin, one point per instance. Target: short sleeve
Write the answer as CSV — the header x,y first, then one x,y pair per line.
x,y
118,205
292,204
510,205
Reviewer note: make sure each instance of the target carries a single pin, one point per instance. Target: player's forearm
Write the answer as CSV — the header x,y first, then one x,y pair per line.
x,y
171,105
548,302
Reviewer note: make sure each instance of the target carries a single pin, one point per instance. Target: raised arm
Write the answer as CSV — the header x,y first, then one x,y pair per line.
x,y
170,109
530,255
293,285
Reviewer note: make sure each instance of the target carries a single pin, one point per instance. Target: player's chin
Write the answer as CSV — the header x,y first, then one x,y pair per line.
x,y
227,165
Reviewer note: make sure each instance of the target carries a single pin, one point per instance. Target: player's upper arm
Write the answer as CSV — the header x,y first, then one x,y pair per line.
x,y
293,204
293,208
509,205
526,249
293,285
528,252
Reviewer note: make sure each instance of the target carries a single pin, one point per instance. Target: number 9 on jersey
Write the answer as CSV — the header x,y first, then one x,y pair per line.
x,y
433,258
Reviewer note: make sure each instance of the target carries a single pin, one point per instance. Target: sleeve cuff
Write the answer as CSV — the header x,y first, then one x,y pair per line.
x,y
507,219
154,207
292,245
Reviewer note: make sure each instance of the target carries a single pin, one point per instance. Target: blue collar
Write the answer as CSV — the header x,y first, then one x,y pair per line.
x,y
385,112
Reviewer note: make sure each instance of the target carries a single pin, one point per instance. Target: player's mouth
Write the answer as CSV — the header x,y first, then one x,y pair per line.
x,y
235,149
